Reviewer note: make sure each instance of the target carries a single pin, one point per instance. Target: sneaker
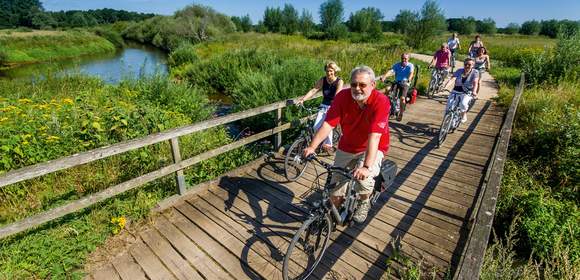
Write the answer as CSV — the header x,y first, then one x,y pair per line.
x,y
464,119
361,212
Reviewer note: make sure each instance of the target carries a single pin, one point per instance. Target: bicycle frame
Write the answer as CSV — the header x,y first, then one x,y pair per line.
x,y
326,206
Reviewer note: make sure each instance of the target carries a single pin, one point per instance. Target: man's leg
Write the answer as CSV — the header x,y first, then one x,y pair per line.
x,y
365,187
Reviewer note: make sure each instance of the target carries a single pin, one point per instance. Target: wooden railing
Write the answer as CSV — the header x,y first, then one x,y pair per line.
x,y
177,167
471,261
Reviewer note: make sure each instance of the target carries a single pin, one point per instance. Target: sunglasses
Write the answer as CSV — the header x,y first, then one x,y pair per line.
x,y
469,64
360,85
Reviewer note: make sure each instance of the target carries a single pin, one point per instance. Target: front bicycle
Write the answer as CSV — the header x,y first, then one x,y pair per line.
x,y
452,118
309,244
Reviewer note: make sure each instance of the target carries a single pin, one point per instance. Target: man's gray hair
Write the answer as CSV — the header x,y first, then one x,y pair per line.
x,y
362,69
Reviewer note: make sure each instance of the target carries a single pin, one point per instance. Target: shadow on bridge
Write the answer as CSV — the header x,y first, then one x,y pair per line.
x,y
276,214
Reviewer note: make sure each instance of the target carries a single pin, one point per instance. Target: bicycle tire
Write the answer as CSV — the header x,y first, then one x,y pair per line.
x,y
444,129
431,90
336,134
294,163
320,225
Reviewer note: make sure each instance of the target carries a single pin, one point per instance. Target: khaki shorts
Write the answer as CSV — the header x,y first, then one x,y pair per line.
x,y
344,159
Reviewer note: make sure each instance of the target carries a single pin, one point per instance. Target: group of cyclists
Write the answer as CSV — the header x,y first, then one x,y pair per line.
x,y
363,112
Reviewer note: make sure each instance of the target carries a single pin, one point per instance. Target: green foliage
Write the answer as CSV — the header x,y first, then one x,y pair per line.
x,y
531,27
192,24
366,21
18,12
486,26
56,45
243,24
184,54
290,19
307,25
421,27
331,17
511,28
111,35
464,26
405,21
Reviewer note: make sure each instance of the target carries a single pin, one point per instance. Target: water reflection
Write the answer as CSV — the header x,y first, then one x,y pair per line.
x,y
132,62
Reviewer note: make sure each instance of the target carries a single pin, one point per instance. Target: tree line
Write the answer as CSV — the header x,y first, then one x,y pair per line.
x,y
31,14
369,22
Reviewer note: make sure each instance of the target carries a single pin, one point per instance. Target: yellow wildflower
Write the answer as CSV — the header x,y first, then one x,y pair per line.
x,y
26,136
24,100
8,109
67,101
25,143
52,138
3,119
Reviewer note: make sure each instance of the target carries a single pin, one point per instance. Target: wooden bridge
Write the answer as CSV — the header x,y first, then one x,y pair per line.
x,y
437,213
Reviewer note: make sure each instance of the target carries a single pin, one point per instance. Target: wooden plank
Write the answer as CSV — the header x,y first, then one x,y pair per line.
x,y
106,272
127,268
40,169
165,252
279,227
212,247
150,263
261,199
206,266
176,153
253,260
472,260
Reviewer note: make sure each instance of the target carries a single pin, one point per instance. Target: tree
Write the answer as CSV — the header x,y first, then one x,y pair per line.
x,y
550,28
273,19
431,23
78,19
468,26
307,25
405,21
331,14
366,20
42,20
531,27
486,26
290,19
512,28
18,12
243,24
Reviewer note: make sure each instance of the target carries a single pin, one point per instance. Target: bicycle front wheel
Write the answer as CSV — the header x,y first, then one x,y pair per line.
x,y
307,247
295,163
432,87
444,129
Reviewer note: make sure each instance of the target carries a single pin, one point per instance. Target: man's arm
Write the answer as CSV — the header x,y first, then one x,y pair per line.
x,y
371,154
389,73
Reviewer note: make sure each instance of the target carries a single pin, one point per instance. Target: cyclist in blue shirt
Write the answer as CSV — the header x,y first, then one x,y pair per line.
x,y
404,72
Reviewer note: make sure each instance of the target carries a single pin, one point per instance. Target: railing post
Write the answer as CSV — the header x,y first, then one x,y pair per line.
x,y
181,185
278,140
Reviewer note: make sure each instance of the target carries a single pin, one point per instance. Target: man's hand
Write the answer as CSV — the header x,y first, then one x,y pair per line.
x,y
308,151
361,173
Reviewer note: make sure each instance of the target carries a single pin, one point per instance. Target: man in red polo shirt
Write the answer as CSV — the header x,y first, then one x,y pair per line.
x,y
363,114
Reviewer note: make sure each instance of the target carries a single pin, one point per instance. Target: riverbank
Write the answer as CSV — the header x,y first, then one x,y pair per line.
x,y
25,47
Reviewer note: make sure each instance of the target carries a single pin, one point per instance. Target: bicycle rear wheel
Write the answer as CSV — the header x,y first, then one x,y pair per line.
x,y
307,247
444,129
295,163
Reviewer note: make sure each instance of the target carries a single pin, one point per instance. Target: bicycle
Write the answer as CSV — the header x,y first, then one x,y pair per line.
x,y
294,163
311,240
436,82
395,92
452,118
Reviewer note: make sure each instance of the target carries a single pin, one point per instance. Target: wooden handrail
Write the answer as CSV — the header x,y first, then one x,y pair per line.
x,y
51,166
471,260
93,155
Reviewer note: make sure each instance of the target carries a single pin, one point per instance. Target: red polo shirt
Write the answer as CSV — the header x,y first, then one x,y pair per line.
x,y
357,123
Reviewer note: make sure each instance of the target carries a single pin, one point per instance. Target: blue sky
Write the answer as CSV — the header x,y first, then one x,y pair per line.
x,y
502,11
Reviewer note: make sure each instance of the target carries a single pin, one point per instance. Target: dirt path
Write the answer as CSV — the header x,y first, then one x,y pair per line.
x,y
489,86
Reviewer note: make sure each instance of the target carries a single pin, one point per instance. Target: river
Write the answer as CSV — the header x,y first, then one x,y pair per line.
x,y
131,62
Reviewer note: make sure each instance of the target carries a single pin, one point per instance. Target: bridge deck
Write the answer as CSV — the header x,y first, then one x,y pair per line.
x,y
240,227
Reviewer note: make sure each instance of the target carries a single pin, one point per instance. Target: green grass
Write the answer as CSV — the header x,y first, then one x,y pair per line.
x,y
51,46
60,116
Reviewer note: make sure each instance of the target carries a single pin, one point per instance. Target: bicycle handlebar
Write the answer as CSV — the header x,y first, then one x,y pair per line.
x,y
329,167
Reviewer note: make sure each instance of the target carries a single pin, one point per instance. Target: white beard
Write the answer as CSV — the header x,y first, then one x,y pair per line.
x,y
359,97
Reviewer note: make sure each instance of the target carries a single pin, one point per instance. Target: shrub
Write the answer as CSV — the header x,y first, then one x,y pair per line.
x,y
184,54
112,36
